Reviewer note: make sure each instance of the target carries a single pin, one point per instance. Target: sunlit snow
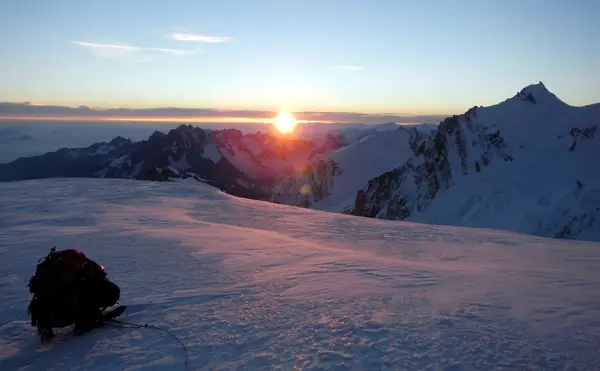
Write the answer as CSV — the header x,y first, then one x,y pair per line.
x,y
248,285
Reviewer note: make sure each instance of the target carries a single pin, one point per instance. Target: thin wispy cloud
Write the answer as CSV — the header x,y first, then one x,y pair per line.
x,y
346,67
125,51
200,38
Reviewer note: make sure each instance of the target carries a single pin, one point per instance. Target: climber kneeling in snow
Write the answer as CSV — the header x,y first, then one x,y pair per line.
x,y
68,288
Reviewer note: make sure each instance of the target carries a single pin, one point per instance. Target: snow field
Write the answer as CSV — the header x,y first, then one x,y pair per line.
x,y
250,285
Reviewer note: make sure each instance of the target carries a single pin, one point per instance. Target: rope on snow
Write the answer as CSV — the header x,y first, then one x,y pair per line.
x,y
124,324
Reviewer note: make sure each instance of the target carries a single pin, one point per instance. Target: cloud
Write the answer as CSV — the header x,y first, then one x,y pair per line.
x,y
31,111
348,67
130,51
200,38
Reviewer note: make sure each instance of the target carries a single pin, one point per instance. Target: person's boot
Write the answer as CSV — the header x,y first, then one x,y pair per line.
x,y
46,334
91,320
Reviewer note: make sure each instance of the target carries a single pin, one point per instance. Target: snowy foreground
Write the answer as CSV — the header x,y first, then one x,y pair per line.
x,y
250,285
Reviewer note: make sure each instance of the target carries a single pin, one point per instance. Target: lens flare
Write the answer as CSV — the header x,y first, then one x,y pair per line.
x,y
284,122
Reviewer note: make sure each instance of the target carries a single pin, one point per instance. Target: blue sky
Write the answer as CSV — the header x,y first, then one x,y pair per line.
x,y
410,57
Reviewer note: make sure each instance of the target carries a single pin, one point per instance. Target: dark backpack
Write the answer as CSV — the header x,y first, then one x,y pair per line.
x,y
58,271
59,280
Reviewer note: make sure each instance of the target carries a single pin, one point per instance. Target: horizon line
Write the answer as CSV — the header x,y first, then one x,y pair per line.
x,y
13,111
194,120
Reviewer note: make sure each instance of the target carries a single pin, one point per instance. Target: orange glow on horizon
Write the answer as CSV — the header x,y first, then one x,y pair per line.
x,y
216,120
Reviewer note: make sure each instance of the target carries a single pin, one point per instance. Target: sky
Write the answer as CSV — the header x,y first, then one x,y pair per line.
x,y
377,56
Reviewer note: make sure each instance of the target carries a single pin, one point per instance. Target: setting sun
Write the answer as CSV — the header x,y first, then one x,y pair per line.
x,y
285,122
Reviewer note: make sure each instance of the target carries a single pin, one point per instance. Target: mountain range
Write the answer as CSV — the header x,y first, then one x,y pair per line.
x,y
527,164
246,165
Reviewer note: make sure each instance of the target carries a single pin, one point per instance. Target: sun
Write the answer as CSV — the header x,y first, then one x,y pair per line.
x,y
284,122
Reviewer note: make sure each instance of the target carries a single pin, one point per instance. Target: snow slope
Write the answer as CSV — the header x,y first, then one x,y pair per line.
x,y
248,285
330,182
362,161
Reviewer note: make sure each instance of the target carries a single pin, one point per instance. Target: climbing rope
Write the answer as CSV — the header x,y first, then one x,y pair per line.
x,y
123,324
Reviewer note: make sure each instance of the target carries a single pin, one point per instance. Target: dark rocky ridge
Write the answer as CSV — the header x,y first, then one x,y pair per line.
x,y
183,152
67,162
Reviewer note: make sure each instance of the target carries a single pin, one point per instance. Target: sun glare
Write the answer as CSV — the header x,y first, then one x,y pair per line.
x,y
284,122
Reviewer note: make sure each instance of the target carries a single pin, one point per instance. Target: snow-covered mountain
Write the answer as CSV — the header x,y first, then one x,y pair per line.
x,y
260,154
249,285
528,164
331,180
244,165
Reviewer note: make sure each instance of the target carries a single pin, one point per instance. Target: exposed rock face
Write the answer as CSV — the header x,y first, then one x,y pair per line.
x,y
458,145
156,174
312,182
581,134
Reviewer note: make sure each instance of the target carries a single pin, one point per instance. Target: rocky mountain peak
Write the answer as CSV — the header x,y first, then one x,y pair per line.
x,y
537,94
119,141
